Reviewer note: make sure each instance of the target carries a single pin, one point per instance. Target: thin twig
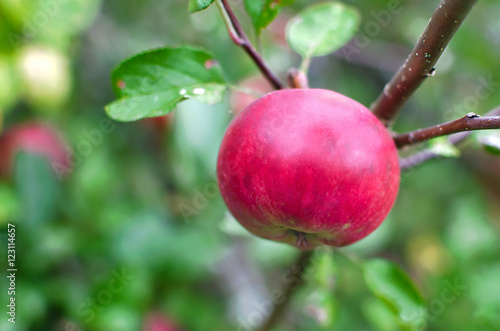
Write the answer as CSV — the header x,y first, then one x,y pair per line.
x,y
427,154
239,37
288,291
421,62
469,122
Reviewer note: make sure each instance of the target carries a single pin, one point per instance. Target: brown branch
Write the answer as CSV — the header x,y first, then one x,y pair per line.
x,y
239,37
469,122
278,311
426,155
421,62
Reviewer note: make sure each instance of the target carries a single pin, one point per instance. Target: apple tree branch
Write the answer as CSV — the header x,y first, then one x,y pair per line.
x,y
455,139
469,122
301,264
239,37
421,62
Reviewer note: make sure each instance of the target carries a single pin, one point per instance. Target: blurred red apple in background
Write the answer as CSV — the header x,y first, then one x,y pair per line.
x,y
277,30
159,124
159,322
34,138
240,100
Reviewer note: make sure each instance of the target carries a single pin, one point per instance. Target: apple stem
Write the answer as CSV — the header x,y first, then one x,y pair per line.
x,y
297,78
422,60
239,37
301,239
427,154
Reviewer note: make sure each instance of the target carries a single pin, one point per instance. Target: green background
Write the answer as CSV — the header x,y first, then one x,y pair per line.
x,y
123,207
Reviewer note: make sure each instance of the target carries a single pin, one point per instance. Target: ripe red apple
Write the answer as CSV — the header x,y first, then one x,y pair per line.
x,y
308,167
34,138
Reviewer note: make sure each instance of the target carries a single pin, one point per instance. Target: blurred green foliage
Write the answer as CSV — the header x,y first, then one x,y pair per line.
x,y
138,227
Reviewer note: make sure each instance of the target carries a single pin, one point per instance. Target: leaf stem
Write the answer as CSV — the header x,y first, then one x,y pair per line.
x,y
421,62
306,63
426,155
239,37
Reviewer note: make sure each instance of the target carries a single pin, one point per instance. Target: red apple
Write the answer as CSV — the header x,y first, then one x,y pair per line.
x,y
32,138
308,167
277,30
158,322
159,124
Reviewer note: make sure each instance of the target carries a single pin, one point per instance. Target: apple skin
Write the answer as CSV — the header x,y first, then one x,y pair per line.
x,y
308,167
33,138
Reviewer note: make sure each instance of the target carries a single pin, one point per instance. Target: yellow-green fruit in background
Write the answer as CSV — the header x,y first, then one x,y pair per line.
x,y
45,76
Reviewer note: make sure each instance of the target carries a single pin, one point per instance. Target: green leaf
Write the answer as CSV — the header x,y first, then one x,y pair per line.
x,y
197,5
326,270
486,300
151,84
321,29
263,12
9,208
490,143
37,187
442,146
379,315
393,286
